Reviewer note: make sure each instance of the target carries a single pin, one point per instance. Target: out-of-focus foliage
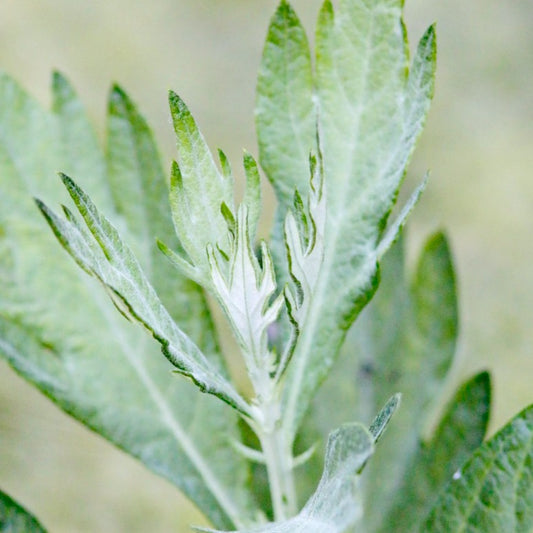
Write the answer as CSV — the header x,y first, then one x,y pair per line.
x,y
477,142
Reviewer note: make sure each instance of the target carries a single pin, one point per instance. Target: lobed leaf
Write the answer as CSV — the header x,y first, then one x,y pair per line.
x,y
15,519
371,109
59,331
106,257
197,190
244,290
493,491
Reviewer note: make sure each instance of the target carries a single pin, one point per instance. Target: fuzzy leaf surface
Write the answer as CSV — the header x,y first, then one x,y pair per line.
x,y
336,504
460,431
285,112
59,331
197,191
15,519
99,250
371,109
493,491
404,341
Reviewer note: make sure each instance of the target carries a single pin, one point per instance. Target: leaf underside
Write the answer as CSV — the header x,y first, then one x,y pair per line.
x,y
369,108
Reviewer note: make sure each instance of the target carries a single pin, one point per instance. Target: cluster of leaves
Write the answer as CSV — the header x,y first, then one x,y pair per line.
x,y
290,302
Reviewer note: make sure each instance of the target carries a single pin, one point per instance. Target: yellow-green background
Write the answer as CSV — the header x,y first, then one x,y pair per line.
x,y
478,143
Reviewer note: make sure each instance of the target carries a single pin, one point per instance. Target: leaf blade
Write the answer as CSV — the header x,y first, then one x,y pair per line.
x,y
460,431
494,490
285,112
58,330
14,518
367,130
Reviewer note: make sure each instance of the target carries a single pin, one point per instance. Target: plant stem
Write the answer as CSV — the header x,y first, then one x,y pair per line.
x,y
279,462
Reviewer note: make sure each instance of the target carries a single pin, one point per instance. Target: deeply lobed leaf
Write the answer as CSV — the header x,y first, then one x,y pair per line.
x,y
197,190
59,331
370,110
101,253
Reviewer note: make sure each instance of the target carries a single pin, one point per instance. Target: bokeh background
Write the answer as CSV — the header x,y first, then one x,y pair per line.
x,y
478,143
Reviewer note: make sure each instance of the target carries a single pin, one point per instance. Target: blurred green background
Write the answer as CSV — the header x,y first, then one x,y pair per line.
x,y
478,144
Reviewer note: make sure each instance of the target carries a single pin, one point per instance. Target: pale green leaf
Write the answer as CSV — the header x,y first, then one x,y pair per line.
x,y
197,191
459,433
15,519
371,110
81,152
285,112
107,257
140,193
336,503
493,491
59,331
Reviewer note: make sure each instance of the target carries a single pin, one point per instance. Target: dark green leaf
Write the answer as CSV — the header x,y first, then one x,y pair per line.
x,y
493,491
15,519
458,434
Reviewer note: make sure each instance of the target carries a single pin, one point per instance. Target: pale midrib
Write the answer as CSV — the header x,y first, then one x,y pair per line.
x,y
315,309
179,434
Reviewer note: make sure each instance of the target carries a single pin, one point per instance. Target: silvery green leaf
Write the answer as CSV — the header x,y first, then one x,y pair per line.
x,y
304,243
15,519
460,431
106,257
371,110
285,111
285,114
493,491
58,329
336,503
382,419
252,194
395,229
77,136
197,190
244,289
